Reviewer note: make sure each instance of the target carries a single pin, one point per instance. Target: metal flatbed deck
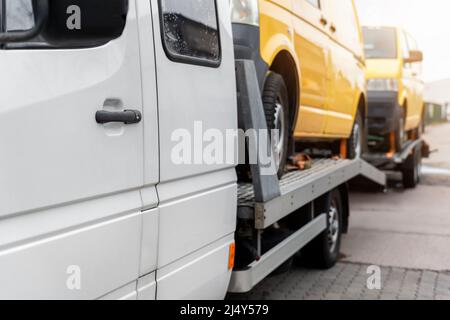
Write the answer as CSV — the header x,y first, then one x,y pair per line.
x,y
299,188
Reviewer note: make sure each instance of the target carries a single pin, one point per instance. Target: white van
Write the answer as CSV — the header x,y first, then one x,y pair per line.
x,y
91,205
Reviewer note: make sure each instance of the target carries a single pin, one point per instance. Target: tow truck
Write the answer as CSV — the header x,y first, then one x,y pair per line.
x,y
92,205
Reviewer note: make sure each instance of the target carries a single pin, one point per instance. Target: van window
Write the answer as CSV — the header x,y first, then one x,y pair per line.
x,y
190,31
19,15
380,43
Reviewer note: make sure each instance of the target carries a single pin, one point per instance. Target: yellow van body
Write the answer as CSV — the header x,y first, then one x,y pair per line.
x,y
317,46
394,80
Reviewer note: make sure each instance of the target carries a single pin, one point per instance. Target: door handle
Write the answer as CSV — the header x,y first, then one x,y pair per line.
x,y
323,21
126,117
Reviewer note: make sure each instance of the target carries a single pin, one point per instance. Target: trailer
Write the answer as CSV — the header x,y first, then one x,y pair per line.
x,y
266,201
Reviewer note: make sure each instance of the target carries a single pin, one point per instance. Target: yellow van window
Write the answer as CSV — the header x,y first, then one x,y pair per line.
x,y
380,43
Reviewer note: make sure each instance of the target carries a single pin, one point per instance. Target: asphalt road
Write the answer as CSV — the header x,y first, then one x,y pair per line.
x,y
406,233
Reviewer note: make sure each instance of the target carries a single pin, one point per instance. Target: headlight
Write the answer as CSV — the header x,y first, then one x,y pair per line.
x,y
245,11
382,85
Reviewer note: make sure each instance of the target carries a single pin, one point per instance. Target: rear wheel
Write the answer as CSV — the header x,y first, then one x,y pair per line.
x,y
276,109
323,252
412,169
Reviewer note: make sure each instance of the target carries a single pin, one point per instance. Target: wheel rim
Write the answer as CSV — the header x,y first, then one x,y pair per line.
x,y
333,226
357,140
417,171
280,126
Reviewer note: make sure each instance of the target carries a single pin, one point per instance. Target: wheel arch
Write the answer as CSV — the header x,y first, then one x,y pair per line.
x,y
285,63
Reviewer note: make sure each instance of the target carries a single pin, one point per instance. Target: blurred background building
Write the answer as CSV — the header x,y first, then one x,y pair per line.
x,y
437,99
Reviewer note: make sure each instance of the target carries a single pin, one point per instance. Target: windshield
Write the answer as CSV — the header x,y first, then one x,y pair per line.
x,y
380,43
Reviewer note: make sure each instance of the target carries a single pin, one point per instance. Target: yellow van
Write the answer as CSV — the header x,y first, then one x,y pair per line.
x,y
309,57
395,86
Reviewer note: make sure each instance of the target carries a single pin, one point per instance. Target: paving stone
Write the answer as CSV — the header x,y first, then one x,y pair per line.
x,y
349,282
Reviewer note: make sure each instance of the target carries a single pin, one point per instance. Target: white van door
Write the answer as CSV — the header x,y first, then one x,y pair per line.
x,y
70,213
197,104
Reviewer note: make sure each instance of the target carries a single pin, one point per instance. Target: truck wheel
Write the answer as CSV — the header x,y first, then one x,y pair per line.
x,y
356,142
411,170
323,252
276,109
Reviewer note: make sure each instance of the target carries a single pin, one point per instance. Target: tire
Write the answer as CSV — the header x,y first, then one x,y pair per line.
x,y
400,134
356,142
323,252
276,109
411,170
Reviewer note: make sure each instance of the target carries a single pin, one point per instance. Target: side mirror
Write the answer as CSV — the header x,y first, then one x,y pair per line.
x,y
67,23
414,56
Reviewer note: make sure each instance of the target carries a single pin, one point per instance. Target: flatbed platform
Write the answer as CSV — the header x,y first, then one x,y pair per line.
x,y
299,188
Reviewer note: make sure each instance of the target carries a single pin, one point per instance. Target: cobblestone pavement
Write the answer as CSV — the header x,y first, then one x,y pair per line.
x,y
349,282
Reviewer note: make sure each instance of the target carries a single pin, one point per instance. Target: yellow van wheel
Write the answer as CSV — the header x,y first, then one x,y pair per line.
x,y
276,108
357,139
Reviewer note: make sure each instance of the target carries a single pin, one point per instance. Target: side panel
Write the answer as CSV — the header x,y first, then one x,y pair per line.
x,y
53,151
203,275
415,86
347,69
312,46
204,206
77,252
